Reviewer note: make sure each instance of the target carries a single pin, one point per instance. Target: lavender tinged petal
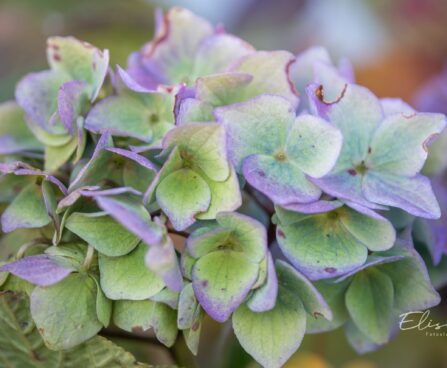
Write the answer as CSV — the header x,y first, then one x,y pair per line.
x,y
41,270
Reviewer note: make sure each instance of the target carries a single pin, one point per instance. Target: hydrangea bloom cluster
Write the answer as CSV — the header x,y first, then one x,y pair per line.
x,y
210,178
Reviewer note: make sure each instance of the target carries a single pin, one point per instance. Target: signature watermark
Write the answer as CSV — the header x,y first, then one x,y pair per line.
x,y
421,321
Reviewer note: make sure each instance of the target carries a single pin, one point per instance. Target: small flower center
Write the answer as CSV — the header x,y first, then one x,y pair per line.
x,y
361,168
280,156
154,118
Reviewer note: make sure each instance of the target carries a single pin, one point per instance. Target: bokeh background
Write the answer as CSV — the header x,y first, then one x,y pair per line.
x,y
395,45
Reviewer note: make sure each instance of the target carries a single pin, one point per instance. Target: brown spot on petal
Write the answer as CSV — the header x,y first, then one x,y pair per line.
x,y
87,45
195,326
369,150
319,92
330,269
149,50
205,283
56,57
137,329
352,172
428,141
317,314
409,116
261,173
281,234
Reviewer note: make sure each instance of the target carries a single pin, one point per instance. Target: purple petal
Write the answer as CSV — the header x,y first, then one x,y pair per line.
x,y
104,141
282,182
108,192
319,206
36,93
71,198
413,195
68,100
143,161
162,260
41,270
345,185
136,73
183,93
438,246
133,216
21,168
264,298
371,261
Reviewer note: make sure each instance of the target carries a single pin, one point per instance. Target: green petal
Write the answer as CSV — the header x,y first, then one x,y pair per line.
x,y
65,313
225,196
369,300
56,156
222,280
187,308
182,195
313,302
127,277
124,116
334,295
376,233
357,115
313,145
27,210
400,144
272,337
102,232
249,233
258,126
141,315
80,60
103,306
320,246
14,133
412,286
202,145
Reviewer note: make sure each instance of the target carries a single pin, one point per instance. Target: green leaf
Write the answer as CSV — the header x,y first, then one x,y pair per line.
x,y
21,345
65,313
27,210
127,277
102,232
182,195
99,352
144,314
369,300
272,337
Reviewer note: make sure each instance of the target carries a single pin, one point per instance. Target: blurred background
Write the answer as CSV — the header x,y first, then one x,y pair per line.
x,y
395,46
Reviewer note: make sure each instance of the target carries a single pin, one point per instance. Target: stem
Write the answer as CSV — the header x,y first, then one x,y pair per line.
x,y
22,250
88,257
180,233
